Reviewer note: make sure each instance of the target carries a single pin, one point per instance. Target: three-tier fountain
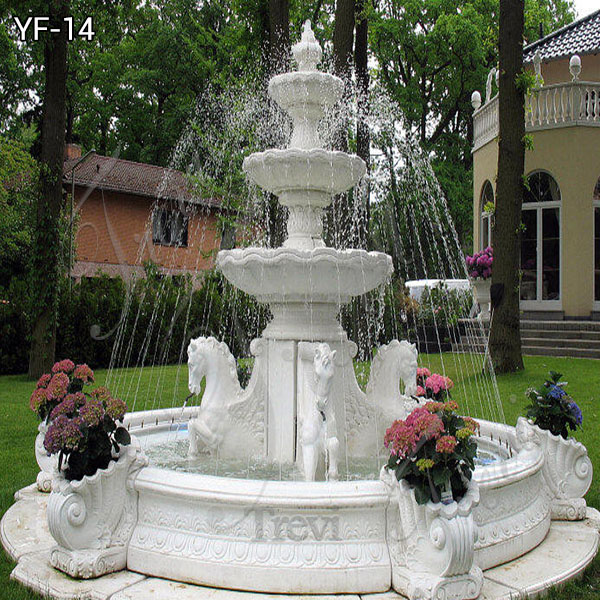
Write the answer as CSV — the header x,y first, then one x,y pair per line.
x,y
275,487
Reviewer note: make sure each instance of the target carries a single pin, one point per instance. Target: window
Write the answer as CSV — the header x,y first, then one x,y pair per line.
x,y
540,240
487,197
169,227
597,242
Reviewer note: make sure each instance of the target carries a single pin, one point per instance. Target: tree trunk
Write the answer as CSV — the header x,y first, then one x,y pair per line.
x,y
278,61
505,335
339,217
363,139
279,36
46,247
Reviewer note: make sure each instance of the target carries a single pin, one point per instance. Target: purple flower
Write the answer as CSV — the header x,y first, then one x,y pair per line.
x,y
576,412
63,434
556,393
116,409
92,413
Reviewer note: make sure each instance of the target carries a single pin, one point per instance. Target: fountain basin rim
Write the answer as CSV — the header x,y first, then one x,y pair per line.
x,y
296,169
281,85
325,275
255,492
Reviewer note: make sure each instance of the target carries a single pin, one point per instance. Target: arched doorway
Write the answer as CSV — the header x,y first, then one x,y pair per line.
x,y
541,244
485,223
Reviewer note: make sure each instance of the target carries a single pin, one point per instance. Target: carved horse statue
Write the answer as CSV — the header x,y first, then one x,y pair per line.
x,y
394,362
226,407
319,429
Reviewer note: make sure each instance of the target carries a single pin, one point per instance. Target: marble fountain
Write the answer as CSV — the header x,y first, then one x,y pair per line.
x,y
321,519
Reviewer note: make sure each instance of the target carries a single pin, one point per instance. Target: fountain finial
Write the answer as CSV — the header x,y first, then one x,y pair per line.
x,y
307,52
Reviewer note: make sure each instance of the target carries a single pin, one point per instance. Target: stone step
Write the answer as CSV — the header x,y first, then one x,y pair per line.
x,y
562,343
569,334
561,325
560,351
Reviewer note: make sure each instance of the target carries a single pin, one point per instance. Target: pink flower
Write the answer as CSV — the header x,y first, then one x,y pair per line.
x,y
436,383
424,423
44,380
83,373
423,372
63,366
58,386
420,391
38,399
400,439
100,393
116,409
446,444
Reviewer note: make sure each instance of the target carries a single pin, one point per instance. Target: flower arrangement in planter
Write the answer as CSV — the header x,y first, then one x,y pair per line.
x,y
552,408
84,432
65,380
90,490
433,451
567,468
480,264
80,427
479,267
430,521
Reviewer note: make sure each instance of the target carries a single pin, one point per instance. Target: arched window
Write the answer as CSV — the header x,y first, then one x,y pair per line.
x,y
487,198
540,242
597,244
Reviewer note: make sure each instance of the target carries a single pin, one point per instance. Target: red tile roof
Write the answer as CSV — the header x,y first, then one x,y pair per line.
x,y
119,175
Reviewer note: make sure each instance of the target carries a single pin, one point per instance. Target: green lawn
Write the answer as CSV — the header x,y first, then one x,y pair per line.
x,y
18,425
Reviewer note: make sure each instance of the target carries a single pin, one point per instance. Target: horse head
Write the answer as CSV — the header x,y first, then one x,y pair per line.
x,y
197,364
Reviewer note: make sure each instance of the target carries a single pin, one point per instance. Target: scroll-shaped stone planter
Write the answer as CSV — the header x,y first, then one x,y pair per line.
x,y
47,463
92,520
567,470
432,546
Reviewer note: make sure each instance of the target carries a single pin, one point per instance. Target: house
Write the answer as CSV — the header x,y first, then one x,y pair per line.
x,y
126,213
560,247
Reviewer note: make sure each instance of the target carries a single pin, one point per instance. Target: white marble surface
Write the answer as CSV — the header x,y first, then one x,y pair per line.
x,y
160,588
35,572
564,554
24,527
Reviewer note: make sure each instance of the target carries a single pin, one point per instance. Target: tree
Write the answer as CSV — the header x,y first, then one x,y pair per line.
x,y
46,247
431,55
505,335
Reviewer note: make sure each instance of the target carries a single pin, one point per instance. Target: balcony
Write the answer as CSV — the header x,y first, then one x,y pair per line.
x,y
570,104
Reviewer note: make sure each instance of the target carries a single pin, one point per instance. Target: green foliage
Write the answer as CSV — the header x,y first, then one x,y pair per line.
x,y
443,307
18,181
552,408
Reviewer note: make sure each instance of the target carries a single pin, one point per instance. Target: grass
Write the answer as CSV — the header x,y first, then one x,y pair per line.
x,y
18,427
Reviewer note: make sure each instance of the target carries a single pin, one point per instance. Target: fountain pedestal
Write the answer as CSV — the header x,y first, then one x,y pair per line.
x,y
304,283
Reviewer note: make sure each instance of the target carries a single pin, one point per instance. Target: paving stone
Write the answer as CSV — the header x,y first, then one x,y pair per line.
x,y
567,550
24,527
161,589
35,572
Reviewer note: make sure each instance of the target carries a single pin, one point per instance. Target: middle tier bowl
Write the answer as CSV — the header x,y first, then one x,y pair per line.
x,y
296,170
293,275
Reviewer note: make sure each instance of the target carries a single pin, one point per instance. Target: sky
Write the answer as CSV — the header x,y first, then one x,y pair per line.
x,y
585,7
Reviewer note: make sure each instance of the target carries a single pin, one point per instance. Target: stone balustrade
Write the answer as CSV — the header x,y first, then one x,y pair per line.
x,y
574,103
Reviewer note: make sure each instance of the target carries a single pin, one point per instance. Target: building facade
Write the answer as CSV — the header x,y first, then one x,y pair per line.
x,y
560,244
125,213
